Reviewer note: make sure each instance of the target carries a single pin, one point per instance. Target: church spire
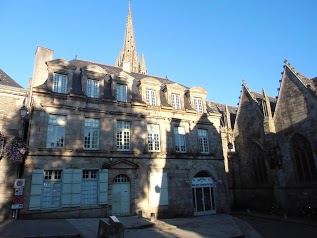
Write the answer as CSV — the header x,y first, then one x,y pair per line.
x,y
129,59
143,65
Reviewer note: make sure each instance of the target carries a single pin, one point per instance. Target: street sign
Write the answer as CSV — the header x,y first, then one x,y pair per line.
x,y
18,191
17,206
18,200
19,183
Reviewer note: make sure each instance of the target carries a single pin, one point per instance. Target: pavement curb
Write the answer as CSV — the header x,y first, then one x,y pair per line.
x,y
277,218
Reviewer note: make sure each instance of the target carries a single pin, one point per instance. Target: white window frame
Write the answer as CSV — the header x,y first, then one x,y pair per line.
x,y
91,134
92,88
153,138
176,101
198,104
122,95
180,139
60,83
52,189
89,192
56,131
123,135
151,97
203,141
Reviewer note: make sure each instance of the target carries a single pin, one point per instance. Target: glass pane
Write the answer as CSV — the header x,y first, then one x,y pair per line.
x,y
200,199
207,198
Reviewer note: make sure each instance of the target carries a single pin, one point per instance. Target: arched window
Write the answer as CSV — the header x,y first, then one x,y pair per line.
x,y
303,159
258,164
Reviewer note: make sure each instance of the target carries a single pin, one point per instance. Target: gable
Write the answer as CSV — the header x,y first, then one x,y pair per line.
x,y
120,164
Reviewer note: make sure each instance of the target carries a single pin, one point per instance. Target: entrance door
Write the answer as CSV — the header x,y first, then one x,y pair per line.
x,y
203,195
121,195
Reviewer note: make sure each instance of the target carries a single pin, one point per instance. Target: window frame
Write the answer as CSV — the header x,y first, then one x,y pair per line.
x,y
151,99
60,83
91,125
123,130
180,139
89,176
154,140
203,141
56,129
121,92
92,88
176,101
55,182
198,104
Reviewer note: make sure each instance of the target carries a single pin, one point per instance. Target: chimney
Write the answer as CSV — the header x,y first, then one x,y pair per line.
x,y
40,72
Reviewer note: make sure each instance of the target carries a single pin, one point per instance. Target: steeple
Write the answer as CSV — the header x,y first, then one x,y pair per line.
x,y
129,59
268,123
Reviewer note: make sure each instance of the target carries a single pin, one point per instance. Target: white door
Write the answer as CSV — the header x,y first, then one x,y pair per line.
x,y
121,195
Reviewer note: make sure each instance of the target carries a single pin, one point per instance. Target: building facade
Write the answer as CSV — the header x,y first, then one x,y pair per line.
x,y
12,98
112,140
275,141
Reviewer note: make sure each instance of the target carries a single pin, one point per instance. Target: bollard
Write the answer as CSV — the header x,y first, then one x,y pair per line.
x,y
140,214
117,227
153,217
104,230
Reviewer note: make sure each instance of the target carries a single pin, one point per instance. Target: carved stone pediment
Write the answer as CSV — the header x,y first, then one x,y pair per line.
x,y
120,164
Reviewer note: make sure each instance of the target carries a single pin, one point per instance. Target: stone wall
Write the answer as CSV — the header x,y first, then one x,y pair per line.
x,y
11,126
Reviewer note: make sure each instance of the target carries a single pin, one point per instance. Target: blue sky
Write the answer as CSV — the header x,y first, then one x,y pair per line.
x,y
213,44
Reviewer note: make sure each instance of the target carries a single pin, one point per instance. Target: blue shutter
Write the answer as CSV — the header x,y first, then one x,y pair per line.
x,y
36,189
71,195
103,186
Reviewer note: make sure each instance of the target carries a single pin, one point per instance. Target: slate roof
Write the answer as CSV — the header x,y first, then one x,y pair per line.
x,y
6,80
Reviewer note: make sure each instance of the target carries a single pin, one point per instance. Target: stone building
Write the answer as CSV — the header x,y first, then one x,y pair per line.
x,y
113,140
275,141
12,97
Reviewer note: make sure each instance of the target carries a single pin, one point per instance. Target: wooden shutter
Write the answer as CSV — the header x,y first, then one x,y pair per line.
x,y
103,186
36,189
71,195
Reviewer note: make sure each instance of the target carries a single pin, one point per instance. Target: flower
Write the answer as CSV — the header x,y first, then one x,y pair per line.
x,y
16,150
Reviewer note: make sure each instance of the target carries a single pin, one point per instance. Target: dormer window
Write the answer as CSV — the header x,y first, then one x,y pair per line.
x,y
198,104
176,101
150,97
122,93
197,96
60,83
92,88
150,89
60,75
93,79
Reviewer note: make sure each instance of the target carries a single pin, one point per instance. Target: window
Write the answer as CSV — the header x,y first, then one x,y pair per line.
x,y
258,164
153,137
91,133
56,131
150,97
123,135
59,83
52,186
203,141
68,188
198,104
303,159
180,143
176,102
121,93
92,88
89,190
